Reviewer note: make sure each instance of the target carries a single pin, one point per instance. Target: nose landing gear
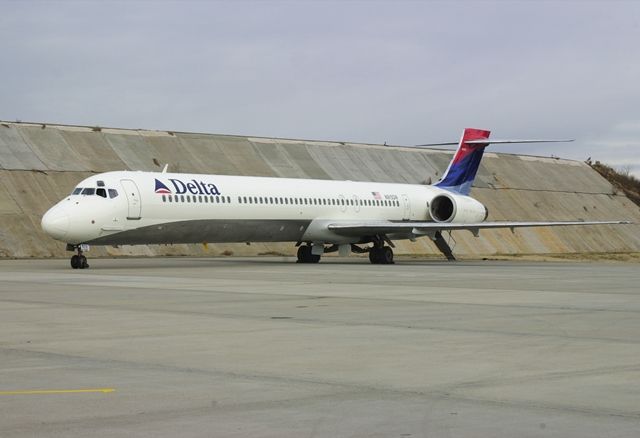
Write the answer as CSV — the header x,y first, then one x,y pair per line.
x,y
79,261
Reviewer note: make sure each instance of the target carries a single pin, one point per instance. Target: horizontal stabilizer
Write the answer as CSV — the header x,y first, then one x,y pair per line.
x,y
489,141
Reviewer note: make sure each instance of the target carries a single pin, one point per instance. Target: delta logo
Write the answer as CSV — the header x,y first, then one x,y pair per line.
x,y
161,188
179,187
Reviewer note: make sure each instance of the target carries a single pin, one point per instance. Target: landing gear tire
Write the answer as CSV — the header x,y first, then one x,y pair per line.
x,y
79,261
305,255
381,256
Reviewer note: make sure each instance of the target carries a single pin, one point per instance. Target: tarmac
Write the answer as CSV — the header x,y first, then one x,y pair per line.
x,y
264,347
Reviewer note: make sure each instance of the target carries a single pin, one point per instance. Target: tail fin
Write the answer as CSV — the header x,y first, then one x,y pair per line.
x,y
463,167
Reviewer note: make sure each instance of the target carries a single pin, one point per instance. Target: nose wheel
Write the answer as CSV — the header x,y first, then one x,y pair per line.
x,y
79,261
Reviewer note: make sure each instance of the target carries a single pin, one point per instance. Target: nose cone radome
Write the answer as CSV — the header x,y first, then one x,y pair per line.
x,y
55,223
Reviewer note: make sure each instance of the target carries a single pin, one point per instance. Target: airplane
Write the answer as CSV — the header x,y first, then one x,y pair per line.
x,y
321,216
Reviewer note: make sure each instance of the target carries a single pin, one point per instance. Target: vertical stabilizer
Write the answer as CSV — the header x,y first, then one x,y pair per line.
x,y
463,167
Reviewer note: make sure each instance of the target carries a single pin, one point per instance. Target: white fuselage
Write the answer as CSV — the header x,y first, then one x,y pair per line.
x,y
192,208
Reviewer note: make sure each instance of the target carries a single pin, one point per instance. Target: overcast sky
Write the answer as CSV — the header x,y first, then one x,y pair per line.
x,y
401,72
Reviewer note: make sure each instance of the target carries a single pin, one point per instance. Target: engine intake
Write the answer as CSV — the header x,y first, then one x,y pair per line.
x,y
457,208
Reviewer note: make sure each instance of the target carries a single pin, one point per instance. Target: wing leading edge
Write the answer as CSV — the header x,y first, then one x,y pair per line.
x,y
363,228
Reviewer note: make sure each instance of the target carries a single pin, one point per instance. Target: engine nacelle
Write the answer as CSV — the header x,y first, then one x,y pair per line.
x,y
449,207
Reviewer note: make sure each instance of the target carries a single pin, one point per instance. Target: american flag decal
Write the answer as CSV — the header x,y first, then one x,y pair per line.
x,y
376,195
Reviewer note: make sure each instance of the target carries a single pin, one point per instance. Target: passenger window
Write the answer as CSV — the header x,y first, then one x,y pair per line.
x,y
181,198
170,198
164,199
88,192
228,199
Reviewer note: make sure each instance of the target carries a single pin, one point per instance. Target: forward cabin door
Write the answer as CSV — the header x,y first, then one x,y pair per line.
x,y
133,198
406,210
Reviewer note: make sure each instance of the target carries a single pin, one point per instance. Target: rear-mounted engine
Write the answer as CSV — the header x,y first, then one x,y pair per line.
x,y
457,208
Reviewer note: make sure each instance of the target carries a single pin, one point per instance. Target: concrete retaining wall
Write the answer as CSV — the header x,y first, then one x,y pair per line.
x,y
39,164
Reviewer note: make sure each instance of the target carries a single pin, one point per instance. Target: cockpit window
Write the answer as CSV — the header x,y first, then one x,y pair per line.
x,y
113,193
76,191
101,192
88,191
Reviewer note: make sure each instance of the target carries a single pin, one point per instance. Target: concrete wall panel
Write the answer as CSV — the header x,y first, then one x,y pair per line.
x,y
328,161
209,155
168,149
243,156
93,151
299,154
135,153
51,148
15,153
278,160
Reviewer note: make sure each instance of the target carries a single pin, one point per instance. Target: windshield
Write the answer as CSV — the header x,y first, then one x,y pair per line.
x,y
90,191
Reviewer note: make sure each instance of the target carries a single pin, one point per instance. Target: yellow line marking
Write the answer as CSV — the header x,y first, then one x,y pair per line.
x,y
56,391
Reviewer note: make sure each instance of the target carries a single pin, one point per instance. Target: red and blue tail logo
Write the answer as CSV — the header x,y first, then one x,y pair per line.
x,y
462,170
161,188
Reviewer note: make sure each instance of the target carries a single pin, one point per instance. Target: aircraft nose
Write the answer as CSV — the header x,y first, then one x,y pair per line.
x,y
55,223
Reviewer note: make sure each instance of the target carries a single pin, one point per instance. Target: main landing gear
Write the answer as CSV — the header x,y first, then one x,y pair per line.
x,y
79,261
382,255
379,253
306,256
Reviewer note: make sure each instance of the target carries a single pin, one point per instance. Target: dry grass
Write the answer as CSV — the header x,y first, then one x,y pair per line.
x,y
622,180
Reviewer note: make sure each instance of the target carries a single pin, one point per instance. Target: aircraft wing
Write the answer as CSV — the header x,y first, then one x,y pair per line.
x,y
363,228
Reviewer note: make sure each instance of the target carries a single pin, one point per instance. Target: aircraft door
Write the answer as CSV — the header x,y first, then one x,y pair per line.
x,y
406,212
133,198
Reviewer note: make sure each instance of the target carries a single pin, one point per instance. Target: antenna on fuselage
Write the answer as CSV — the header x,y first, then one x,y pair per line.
x,y
164,169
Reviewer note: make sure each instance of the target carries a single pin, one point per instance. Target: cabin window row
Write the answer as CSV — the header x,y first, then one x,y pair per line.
x,y
200,198
282,200
318,201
